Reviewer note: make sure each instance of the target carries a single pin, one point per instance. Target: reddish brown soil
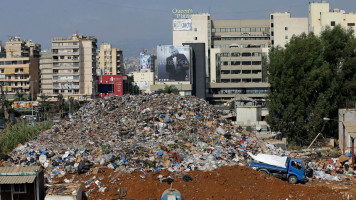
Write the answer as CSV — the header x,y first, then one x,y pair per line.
x,y
233,182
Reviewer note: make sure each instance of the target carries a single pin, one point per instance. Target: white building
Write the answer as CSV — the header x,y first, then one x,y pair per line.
x,y
283,27
320,16
143,80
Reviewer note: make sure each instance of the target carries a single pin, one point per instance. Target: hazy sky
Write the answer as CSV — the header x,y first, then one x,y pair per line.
x,y
131,25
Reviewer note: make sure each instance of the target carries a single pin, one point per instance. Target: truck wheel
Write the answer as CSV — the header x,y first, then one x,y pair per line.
x,y
264,171
292,179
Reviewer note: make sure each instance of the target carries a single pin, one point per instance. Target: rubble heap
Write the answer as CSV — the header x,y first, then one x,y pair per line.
x,y
146,133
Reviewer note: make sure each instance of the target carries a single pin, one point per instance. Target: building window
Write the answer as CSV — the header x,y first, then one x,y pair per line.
x,y
19,188
225,71
235,54
6,188
195,29
272,25
332,23
256,62
286,37
350,24
272,33
246,62
195,38
286,28
271,16
272,42
235,62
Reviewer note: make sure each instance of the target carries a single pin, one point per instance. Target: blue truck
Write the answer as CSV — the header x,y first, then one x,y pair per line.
x,y
295,170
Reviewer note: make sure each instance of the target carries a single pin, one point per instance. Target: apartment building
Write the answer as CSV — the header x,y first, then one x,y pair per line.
x,y
73,68
46,74
110,60
19,68
321,16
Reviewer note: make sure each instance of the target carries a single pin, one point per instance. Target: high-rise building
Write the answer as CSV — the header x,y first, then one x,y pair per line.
x,y
234,54
110,60
320,16
19,68
73,68
46,74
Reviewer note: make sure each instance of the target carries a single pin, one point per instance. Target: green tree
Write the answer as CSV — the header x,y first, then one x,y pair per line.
x,y
132,87
45,105
169,89
60,104
310,79
20,96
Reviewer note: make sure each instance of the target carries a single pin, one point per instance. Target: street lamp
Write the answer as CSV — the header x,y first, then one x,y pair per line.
x,y
343,133
32,91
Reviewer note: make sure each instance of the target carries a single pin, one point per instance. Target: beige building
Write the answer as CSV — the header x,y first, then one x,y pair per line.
x,y
46,74
321,16
143,80
234,51
283,27
110,60
19,68
73,68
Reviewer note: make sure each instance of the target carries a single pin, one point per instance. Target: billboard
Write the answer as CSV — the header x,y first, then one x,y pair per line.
x,y
106,88
110,85
173,63
24,105
182,24
145,61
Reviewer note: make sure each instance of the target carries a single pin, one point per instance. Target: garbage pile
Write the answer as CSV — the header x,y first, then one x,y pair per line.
x,y
146,133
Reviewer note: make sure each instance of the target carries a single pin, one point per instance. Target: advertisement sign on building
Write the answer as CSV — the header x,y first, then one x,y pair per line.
x,y
110,85
145,61
182,24
173,63
24,105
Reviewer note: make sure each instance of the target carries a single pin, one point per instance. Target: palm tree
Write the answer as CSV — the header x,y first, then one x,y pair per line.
x,y
44,104
19,96
60,103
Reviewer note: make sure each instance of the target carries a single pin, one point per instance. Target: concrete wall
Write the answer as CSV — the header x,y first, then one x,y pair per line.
x,y
248,115
346,115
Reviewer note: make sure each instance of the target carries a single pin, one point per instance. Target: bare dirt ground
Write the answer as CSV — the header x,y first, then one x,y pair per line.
x,y
230,182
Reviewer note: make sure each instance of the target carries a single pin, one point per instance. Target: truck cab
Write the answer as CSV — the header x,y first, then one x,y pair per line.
x,y
296,168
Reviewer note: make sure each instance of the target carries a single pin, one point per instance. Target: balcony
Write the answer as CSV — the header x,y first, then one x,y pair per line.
x,y
66,87
66,60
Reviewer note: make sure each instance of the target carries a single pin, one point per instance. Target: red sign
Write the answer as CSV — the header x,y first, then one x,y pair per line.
x,y
115,80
